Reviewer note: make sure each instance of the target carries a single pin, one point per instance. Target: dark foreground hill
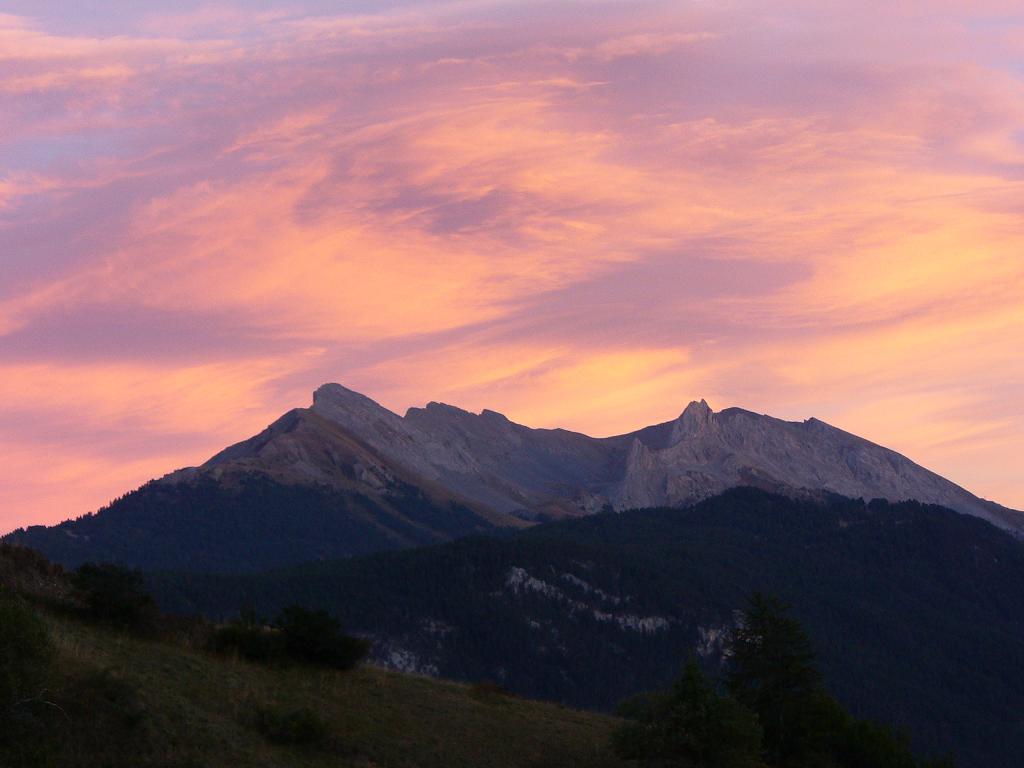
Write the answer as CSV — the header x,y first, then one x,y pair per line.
x,y
110,699
916,611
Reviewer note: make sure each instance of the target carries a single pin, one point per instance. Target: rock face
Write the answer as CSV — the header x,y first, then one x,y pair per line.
x,y
513,469
703,453
484,457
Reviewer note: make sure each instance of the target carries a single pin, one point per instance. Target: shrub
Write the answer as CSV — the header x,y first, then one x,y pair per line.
x,y
115,595
298,726
298,635
103,699
252,642
27,573
314,637
26,655
864,744
195,632
105,722
26,652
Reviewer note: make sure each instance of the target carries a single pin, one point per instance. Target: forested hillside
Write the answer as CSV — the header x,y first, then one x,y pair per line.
x,y
250,524
915,610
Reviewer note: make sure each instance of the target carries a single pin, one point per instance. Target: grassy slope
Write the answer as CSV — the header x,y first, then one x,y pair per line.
x,y
197,707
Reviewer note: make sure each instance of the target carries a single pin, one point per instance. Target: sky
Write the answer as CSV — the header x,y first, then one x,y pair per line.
x,y
579,214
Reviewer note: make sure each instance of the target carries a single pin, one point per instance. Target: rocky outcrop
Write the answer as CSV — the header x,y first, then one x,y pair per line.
x,y
511,468
484,457
704,453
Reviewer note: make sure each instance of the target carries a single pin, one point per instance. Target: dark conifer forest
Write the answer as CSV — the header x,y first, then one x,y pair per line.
x,y
914,612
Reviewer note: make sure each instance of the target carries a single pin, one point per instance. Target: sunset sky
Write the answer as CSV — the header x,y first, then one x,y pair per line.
x,y
580,214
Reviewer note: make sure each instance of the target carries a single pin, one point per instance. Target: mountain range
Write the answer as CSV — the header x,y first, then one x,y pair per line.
x,y
347,476
530,472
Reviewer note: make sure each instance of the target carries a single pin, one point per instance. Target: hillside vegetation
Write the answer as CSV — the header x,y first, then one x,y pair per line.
x,y
91,674
915,611
202,524
105,697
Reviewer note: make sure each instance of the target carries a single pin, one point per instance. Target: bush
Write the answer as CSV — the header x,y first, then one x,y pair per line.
x,y
107,702
300,726
194,632
864,744
252,642
104,723
314,637
26,655
298,635
26,652
27,573
115,595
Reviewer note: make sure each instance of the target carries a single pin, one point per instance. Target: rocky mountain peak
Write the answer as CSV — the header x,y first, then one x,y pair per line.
x,y
333,390
697,412
437,408
493,415
334,396
512,469
695,419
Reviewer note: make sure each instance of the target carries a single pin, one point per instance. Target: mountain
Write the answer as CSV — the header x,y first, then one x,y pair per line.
x,y
915,610
302,489
347,476
529,472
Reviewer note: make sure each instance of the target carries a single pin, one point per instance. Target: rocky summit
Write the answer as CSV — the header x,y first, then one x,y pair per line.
x,y
512,469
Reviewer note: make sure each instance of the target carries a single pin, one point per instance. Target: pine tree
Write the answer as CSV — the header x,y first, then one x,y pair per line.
x,y
771,671
692,725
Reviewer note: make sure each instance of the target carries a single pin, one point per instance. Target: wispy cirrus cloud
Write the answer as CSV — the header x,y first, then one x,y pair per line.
x,y
580,216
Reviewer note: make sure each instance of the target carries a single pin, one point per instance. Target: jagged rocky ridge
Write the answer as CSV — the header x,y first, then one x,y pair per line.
x,y
526,472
